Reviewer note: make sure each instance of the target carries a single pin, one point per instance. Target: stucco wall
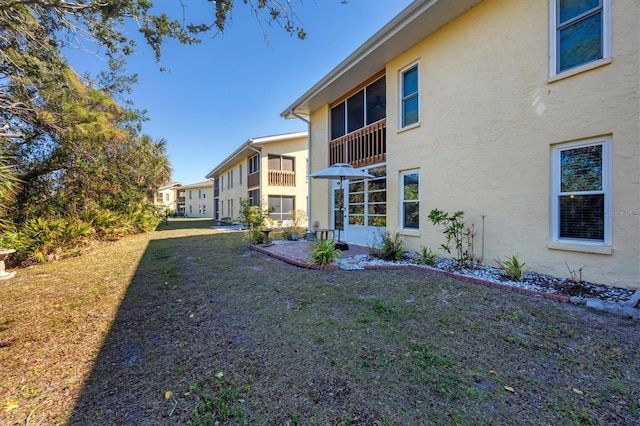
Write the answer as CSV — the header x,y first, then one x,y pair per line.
x,y
235,193
489,118
296,148
319,159
206,199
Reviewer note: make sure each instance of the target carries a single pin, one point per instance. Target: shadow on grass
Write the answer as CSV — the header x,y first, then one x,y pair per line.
x,y
158,342
208,327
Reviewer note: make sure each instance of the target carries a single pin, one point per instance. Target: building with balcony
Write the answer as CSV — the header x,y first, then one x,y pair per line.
x,y
168,197
269,171
524,115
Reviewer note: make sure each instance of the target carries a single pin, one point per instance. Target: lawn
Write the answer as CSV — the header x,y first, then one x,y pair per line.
x,y
185,325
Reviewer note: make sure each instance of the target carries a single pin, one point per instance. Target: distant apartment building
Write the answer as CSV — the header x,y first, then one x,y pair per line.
x,y
169,198
198,199
270,171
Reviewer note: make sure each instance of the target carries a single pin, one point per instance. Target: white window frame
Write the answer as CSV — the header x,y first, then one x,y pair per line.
x,y
578,244
402,99
254,164
553,38
402,200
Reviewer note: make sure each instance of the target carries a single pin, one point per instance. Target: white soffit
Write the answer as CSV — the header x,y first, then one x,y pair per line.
x,y
415,23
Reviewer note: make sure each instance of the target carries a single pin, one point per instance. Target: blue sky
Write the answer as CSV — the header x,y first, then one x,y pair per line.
x,y
234,86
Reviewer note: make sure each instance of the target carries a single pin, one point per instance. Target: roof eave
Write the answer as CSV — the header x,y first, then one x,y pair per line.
x,y
250,146
416,22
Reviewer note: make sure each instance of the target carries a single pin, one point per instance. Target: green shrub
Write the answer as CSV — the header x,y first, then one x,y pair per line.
x,y
144,218
324,252
41,239
255,235
426,256
457,232
391,247
107,224
512,267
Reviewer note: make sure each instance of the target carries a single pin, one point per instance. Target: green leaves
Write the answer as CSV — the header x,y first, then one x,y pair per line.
x,y
512,267
324,252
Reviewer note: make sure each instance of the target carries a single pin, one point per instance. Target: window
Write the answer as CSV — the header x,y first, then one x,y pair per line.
x,y
204,209
166,197
199,194
204,193
280,207
190,209
221,183
410,193
254,197
580,32
367,203
240,175
230,179
277,162
254,164
365,107
581,192
409,107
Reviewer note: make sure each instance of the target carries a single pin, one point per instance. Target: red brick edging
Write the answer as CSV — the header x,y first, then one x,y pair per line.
x,y
557,297
293,261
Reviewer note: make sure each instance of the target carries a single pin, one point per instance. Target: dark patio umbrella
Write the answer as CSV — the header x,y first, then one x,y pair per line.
x,y
341,171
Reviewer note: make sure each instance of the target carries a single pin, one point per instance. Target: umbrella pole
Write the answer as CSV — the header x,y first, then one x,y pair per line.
x,y
340,245
341,223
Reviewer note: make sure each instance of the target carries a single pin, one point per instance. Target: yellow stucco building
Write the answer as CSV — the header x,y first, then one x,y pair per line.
x,y
198,199
525,115
270,171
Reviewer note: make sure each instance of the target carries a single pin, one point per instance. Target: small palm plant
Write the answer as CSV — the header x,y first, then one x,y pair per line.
x,y
324,252
512,267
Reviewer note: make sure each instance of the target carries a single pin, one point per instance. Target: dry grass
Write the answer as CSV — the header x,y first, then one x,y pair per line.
x,y
185,325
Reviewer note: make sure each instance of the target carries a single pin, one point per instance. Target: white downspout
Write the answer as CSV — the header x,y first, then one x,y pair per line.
x,y
310,234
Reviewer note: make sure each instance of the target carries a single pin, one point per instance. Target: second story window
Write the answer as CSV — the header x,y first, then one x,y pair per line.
x,y
240,175
580,32
364,107
254,164
409,90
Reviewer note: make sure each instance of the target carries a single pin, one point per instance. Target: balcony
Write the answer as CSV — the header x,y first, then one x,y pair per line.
x,y
282,178
253,180
362,147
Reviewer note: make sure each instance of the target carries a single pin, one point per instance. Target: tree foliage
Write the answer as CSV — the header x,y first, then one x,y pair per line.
x,y
68,150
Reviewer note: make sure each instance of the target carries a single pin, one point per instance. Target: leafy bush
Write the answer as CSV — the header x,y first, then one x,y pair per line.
x,y
391,247
455,231
426,256
512,267
144,218
324,252
255,236
41,239
106,224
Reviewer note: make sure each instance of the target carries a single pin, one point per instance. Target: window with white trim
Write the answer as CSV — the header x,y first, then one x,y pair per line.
x,y
409,96
367,199
280,206
254,164
582,192
410,201
579,33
